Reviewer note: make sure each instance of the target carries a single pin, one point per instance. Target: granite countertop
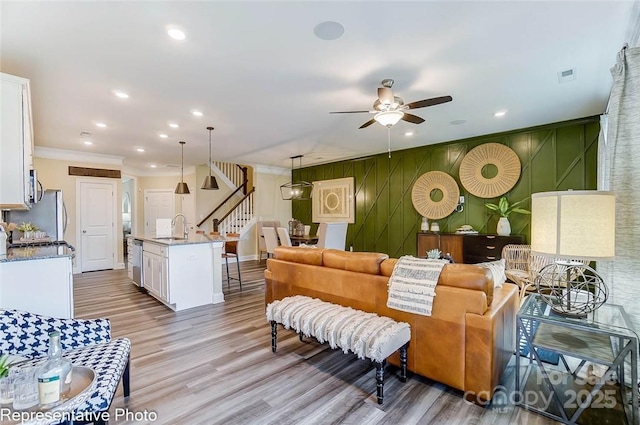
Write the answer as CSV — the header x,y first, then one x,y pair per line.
x,y
194,238
26,252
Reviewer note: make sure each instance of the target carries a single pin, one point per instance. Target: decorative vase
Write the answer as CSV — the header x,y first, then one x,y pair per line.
x,y
504,227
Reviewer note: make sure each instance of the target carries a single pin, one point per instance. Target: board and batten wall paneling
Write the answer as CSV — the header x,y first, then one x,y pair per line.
x,y
558,156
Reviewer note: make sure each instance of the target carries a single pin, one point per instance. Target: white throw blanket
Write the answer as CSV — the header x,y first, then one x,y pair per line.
x,y
412,284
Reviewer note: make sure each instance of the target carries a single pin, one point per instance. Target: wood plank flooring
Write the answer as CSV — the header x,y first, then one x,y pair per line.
x,y
214,365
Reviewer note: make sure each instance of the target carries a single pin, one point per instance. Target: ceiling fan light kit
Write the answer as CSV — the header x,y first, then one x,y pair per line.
x,y
210,182
388,118
298,190
182,188
390,109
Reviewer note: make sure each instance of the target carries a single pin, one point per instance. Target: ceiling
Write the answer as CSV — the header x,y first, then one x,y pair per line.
x,y
267,83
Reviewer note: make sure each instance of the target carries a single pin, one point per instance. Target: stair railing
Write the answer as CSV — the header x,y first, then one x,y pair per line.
x,y
241,212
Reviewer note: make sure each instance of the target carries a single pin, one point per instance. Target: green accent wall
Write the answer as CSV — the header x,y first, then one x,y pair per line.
x,y
554,157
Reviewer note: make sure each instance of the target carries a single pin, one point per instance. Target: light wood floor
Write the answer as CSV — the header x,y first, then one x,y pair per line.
x,y
214,365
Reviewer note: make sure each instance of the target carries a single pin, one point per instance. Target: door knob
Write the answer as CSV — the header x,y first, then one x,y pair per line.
x,y
84,231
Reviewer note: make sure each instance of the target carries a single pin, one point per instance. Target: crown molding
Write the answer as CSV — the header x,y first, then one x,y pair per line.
x,y
156,172
67,155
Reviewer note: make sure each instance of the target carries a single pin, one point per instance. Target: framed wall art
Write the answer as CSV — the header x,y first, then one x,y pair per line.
x,y
333,200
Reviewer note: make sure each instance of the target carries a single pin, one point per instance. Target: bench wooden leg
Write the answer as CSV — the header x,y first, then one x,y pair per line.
x,y
274,335
403,362
380,380
125,378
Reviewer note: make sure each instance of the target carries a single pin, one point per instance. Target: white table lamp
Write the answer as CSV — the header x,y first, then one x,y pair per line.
x,y
570,226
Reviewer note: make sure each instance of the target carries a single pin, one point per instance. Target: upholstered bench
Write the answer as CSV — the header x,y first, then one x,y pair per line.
x,y
365,334
84,342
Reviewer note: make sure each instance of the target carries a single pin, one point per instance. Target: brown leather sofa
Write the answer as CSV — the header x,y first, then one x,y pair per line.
x,y
467,341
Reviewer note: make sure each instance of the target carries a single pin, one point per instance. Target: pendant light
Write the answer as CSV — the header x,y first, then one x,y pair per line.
x,y
210,182
182,187
298,190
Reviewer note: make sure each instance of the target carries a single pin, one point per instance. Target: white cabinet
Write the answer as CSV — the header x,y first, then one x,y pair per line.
x,y
155,270
42,286
16,143
182,276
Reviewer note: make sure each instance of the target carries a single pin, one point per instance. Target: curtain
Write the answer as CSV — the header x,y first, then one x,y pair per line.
x,y
619,170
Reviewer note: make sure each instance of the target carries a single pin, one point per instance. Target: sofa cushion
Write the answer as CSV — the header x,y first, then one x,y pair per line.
x,y
497,271
467,276
302,255
361,262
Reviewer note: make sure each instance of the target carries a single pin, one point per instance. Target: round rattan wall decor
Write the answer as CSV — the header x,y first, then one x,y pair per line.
x,y
422,195
502,157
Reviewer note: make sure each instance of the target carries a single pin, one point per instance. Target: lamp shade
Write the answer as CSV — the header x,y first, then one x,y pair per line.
x,y
210,183
388,118
182,189
576,224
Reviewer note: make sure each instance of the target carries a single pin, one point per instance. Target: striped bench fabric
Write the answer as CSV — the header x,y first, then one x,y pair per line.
x,y
366,334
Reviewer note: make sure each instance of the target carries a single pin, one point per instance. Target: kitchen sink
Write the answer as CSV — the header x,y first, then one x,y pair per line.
x,y
170,238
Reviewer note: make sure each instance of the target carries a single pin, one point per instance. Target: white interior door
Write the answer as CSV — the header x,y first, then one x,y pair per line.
x,y
97,225
157,204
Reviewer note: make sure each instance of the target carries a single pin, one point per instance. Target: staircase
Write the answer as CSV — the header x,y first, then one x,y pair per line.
x,y
240,216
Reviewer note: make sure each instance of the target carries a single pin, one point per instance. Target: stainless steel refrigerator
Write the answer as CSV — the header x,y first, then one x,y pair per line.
x,y
49,214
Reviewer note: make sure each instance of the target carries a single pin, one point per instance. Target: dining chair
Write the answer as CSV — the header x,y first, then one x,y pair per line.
x,y
332,235
283,235
270,239
262,246
231,251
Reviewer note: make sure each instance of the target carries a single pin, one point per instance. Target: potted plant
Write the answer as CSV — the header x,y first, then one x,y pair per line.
x,y
27,229
6,390
504,209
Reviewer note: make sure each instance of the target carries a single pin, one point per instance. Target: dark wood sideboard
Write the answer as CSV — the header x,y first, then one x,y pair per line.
x,y
467,249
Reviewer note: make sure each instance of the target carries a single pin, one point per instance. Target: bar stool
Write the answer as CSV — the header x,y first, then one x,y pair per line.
x,y
231,251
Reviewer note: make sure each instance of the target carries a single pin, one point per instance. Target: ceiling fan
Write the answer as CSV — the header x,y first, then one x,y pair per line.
x,y
390,109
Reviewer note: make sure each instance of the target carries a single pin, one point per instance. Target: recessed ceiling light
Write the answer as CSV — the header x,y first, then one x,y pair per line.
x,y
173,125
121,94
409,133
196,113
162,135
329,30
140,150
457,122
176,34
153,165
88,142
101,125
500,114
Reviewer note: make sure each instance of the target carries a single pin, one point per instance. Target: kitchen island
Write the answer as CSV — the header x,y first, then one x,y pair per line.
x,y
38,279
181,272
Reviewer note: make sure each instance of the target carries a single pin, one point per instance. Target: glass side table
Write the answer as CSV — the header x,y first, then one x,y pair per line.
x,y
605,338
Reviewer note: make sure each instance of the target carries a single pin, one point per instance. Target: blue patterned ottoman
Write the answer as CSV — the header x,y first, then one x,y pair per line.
x,y
85,343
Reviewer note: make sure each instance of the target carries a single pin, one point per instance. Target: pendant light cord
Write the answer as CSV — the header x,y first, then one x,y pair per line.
x,y
182,164
210,151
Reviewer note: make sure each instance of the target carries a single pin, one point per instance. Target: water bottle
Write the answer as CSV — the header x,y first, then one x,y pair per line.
x,y
54,378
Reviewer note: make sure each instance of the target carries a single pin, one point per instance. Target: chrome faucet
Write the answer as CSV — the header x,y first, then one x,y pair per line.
x,y
184,224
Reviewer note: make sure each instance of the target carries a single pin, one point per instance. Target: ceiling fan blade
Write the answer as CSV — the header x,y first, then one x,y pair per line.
x,y
412,118
429,102
385,94
349,112
368,123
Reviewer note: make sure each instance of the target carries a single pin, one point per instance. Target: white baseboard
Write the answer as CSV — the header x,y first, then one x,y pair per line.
x,y
218,298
